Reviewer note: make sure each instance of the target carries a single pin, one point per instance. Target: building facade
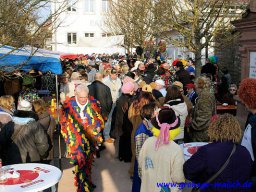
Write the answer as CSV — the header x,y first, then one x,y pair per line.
x,y
80,28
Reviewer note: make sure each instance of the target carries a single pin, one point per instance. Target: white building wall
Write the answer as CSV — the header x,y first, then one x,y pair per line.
x,y
81,22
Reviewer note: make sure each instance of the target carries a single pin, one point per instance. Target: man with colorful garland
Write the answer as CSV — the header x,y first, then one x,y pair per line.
x,y
81,124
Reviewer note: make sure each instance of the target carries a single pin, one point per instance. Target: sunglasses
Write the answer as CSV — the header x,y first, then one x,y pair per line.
x,y
232,89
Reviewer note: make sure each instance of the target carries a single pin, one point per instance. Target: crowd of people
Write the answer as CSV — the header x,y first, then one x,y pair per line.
x,y
147,109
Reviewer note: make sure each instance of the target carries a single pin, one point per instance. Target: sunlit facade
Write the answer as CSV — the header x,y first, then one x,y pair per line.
x,y
80,28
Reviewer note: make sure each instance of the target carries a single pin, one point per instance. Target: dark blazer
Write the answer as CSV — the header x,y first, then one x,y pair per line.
x,y
102,93
209,159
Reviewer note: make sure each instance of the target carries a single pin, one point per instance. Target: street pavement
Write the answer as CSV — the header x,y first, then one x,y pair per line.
x,y
108,173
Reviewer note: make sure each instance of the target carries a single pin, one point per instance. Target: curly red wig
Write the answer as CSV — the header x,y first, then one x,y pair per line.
x,y
247,92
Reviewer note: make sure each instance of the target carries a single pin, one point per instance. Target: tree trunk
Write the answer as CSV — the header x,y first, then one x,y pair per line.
x,y
198,56
206,50
198,63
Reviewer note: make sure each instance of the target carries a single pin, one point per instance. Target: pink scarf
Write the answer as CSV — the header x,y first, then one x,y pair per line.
x,y
163,137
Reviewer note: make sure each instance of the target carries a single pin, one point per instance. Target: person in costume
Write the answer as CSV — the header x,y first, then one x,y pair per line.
x,y
160,158
81,124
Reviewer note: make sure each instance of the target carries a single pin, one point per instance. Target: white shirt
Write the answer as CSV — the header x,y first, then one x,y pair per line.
x,y
114,86
246,141
163,91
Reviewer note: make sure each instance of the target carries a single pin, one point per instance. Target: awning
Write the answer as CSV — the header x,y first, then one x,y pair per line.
x,y
28,58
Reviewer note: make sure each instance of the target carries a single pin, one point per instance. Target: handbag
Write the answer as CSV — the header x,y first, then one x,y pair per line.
x,y
197,189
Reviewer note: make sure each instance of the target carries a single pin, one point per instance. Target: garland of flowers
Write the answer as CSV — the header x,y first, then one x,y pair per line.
x,y
29,95
82,139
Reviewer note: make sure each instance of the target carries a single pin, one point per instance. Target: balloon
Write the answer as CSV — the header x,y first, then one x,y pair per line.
x,y
213,59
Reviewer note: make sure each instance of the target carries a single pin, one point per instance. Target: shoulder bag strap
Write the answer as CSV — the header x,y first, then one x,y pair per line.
x,y
223,166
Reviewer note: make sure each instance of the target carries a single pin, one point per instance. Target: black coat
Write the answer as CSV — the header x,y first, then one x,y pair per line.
x,y
102,93
26,114
123,127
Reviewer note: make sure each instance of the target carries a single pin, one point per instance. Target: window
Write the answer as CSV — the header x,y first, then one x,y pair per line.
x,y
105,5
106,34
89,34
71,38
71,5
89,5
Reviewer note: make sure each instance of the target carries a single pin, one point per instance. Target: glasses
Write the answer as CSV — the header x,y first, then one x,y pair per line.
x,y
232,89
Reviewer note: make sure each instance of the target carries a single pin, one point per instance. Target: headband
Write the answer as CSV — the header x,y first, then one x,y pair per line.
x,y
163,137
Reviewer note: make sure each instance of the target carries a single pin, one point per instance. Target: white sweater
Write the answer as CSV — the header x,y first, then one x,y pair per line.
x,y
164,165
180,110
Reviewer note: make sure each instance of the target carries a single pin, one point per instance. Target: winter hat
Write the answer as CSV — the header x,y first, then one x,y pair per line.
x,y
129,79
153,85
165,120
128,87
166,115
147,88
178,84
190,86
160,82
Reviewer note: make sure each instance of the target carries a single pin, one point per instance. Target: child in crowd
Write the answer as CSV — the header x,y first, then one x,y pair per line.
x,y
143,132
160,158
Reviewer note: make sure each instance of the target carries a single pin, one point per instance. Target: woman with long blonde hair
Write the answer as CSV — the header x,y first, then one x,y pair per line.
x,y
6,108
